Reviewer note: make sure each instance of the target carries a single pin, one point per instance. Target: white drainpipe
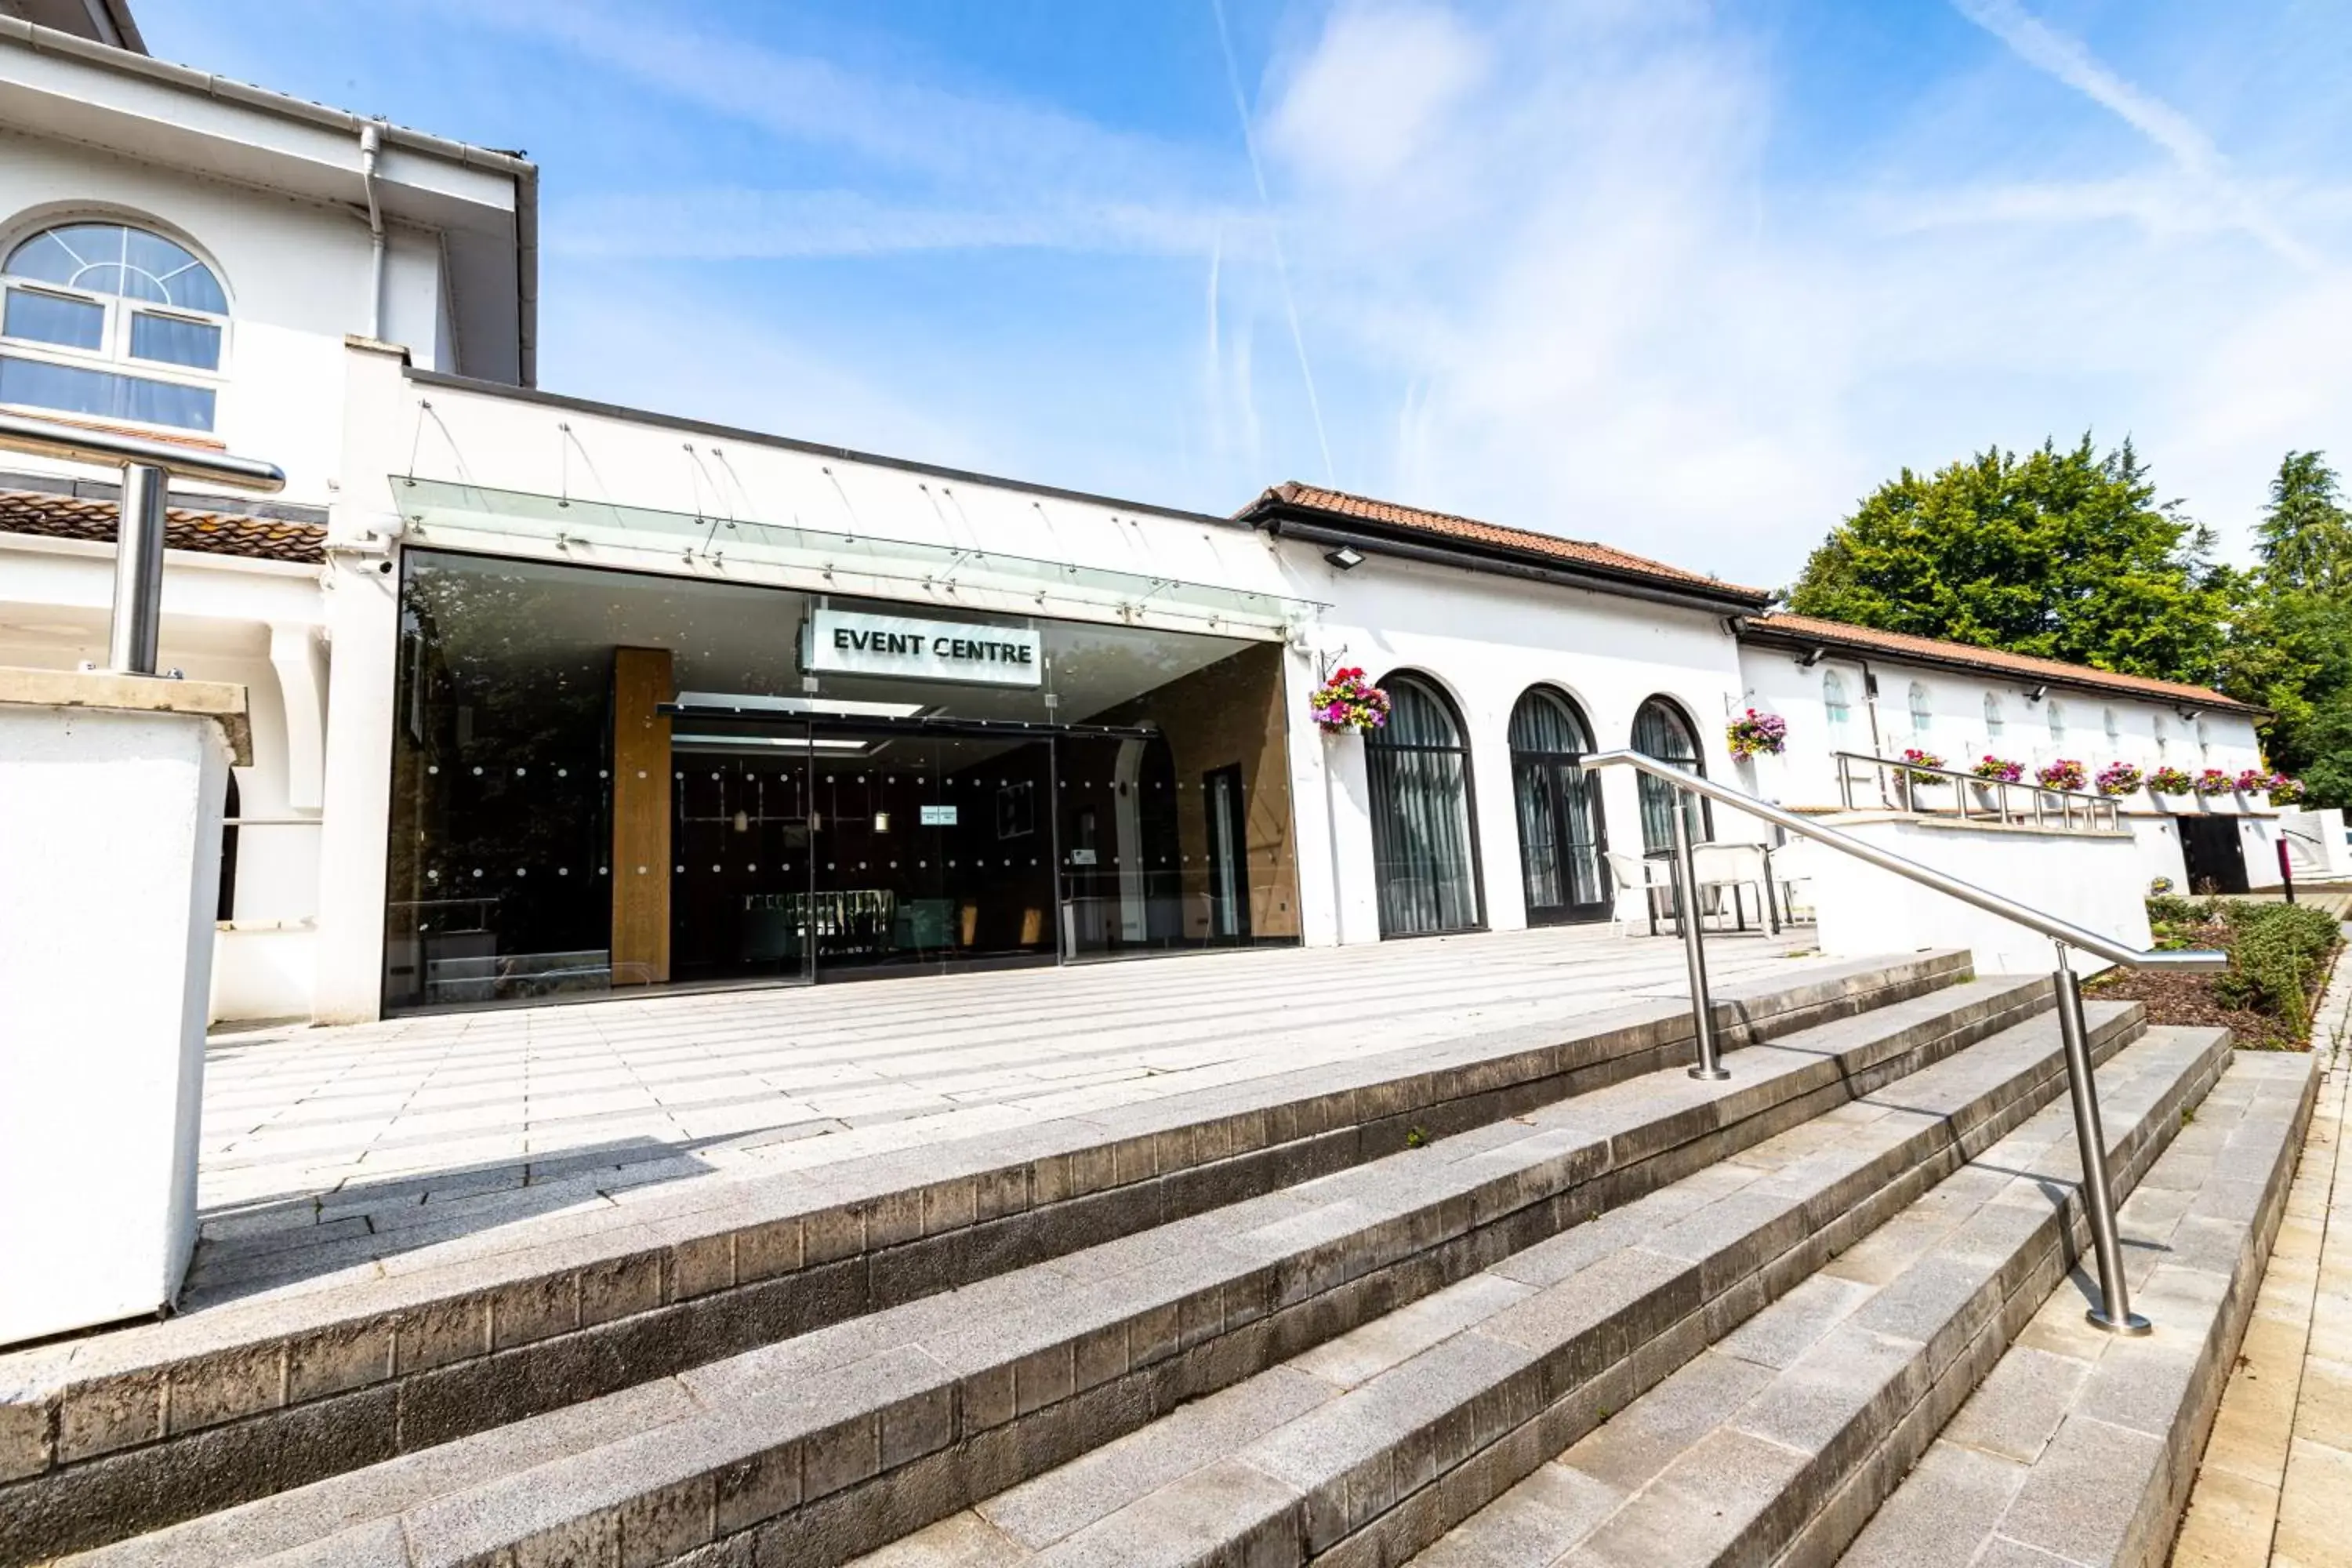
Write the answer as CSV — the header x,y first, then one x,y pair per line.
x,y
371,143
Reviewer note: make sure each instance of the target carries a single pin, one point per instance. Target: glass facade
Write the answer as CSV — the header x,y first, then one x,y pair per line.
x,y
605,780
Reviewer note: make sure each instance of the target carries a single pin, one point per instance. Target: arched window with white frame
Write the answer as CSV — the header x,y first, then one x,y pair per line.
x,y
2163,740
1837,707
111,322
2055,711
1923,717
1992,718
2115,727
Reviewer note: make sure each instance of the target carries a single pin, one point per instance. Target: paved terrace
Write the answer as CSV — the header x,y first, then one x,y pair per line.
x,y
326,1150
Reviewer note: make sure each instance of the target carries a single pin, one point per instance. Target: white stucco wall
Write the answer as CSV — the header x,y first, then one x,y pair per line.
x,y
223,618
296,274
2095,880
2147,733
1484,640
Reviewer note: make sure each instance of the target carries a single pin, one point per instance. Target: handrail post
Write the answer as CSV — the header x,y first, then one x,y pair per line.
x,y
130,638
2114,1311
1693,947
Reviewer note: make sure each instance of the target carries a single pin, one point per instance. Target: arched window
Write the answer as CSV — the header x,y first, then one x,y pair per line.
x,y
88,304
1558,805
1424,860
1923,717
2163,739
1662,731
2115,727
1993,724
2204,742
2056,715
1836,706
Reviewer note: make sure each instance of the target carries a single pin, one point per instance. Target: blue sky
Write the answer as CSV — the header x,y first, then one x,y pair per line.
x,y
1687,279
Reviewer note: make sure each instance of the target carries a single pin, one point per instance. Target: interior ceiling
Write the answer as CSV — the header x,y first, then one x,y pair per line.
x,y
730,638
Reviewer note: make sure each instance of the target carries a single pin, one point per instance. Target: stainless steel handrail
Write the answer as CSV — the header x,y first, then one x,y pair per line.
x,y
147,470
2114,1312
73,444
2094,806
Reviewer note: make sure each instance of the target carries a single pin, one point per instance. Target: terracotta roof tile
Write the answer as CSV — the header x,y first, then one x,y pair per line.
x,y
1935,650
186,528
1294,496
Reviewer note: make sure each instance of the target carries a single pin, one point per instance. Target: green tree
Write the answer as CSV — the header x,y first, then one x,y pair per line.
x,y
2289,644
2065,554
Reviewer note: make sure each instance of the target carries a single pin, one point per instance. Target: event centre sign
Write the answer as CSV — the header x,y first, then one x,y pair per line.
x,y
848,642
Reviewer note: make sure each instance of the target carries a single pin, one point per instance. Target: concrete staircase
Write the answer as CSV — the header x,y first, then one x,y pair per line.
x,y
1525,1300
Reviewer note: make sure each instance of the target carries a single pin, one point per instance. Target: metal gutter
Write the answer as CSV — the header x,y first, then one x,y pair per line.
x,y
1590,579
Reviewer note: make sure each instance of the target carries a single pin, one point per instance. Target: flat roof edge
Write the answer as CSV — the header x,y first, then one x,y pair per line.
x,y
793,443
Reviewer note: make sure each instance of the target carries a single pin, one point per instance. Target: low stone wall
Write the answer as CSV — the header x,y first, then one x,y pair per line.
x,y
2093,880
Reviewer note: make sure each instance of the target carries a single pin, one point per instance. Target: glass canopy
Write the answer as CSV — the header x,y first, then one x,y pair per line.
x,y
448,513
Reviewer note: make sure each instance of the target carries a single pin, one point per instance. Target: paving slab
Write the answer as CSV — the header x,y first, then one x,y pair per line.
x,y
2286,1414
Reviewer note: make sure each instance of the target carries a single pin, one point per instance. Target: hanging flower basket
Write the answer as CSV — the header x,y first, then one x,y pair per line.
x,y
2286,789
1998,770
2065,773
1754,734
2118,778
2213,780
2170,781
1921,760
1347,702
2250,782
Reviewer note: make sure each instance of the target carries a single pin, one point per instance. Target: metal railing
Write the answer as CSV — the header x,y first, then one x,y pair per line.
x,y
147,470
2098,813
2114,1311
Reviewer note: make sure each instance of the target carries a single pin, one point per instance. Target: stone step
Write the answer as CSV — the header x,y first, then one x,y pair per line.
x,y
851,1434
1366,1449
2079,1446
107,1436
1775,1444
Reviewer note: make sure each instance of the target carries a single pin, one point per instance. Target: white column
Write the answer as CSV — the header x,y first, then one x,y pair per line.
x,y
362,582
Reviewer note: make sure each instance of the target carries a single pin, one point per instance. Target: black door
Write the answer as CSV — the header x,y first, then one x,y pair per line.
x,y
2215,855
1561,840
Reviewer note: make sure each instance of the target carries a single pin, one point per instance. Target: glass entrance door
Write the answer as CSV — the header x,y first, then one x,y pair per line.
x,y
931,852
741,837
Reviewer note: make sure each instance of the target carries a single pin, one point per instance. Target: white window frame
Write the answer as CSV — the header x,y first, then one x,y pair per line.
x,y
1923,713
113,356
1995,721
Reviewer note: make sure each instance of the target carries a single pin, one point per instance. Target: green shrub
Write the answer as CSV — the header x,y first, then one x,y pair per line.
x,y
2275,951
2171,910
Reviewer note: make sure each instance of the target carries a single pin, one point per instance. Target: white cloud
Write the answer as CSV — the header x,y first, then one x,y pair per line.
x,y
1376,90
1591,296
2209,181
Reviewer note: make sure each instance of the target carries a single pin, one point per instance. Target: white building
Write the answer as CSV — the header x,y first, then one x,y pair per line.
x,y
552,697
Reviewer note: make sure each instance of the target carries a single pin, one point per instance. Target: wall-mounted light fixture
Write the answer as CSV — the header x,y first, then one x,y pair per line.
x,y
2036,693
2190,715
1811,656
1347,558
